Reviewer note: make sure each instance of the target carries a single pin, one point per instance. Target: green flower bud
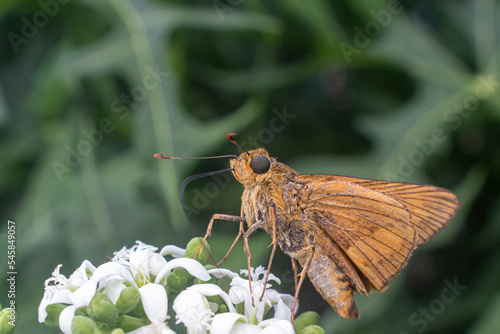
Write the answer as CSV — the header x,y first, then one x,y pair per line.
x,y
101,309
178,279
128,300
240,308
104,328
171,293
118,331
139,311
212,280
84,325
203,256
219,301
306,319
53,312
141,279
7,320
223,309
82,311
312,329
128,323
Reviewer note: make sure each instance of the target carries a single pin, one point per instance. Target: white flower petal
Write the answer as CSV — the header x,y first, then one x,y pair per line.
x,y
282,311
153,329
78,278
241,328
221,272
195,268
86,265
237,295
113,288
155,263
272,296
255,273
155,302
287,299
240,293
213,290
193,310
276,326
187,299
139,261
52,296
229,323
84,294
260,311
56,273
172,250
285,306
66,318
113,268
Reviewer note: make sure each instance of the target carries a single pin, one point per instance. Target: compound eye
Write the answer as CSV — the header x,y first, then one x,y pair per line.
x,y
260,164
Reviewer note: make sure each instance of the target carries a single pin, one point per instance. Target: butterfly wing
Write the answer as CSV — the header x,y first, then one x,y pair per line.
x,y
431,207
377,223
372,228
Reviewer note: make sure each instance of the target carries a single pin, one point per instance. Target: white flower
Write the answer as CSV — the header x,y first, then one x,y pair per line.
x,y
173,250
139,266
59,289
256,308
233,323
194,310
113,288
155,302
66,318
153,329
140,259
193,267
276,326
143,268
221,272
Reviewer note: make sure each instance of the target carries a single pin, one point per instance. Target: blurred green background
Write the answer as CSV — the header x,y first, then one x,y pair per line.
x,y
408,91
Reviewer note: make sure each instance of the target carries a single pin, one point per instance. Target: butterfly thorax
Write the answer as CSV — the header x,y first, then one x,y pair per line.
x,y
275,197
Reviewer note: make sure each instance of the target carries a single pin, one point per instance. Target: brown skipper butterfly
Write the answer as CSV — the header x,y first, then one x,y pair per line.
x,y
348,234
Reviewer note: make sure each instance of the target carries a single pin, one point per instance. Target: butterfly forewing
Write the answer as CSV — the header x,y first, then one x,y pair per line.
x,y
371,227
431,207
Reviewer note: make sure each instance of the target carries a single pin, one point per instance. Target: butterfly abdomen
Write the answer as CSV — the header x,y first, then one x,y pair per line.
x,y
333,284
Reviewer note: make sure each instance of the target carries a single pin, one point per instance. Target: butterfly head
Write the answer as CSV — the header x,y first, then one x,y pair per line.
x,y
252,166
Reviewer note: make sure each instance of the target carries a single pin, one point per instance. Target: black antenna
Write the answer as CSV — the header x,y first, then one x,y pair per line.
x,y
186,182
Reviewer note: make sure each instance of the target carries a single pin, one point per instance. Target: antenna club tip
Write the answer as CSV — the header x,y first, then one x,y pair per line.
x,y
230,135
163,156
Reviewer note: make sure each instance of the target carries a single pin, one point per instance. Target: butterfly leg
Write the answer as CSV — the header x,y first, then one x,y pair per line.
x,y
294,266
238,219
303,273
250,230
272,215
240,233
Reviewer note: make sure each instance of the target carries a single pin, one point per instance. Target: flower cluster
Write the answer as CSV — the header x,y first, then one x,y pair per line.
x,y
131,294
